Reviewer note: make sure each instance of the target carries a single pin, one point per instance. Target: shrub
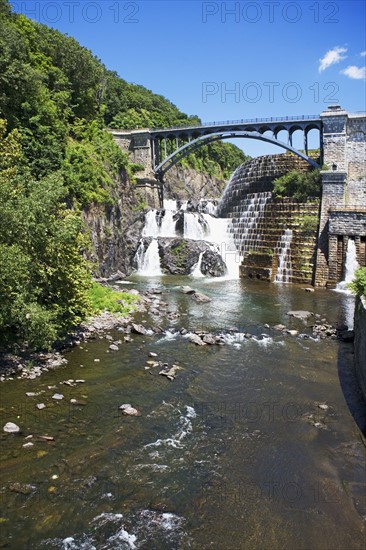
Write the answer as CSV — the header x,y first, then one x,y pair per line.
x,y
358,285
103,298
298,185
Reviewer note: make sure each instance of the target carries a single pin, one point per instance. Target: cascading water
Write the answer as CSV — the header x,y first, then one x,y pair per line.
x,y
283,248
249,215
350,267
193,229
197,227
196,270
148,261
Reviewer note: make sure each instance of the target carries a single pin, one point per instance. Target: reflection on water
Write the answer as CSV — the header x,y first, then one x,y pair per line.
x,y
251,446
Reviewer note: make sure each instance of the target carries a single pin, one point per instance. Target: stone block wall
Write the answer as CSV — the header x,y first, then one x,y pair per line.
x,y
343,208
279,215
137,144
356,149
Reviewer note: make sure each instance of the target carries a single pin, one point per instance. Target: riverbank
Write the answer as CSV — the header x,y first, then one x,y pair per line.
x,y
27,364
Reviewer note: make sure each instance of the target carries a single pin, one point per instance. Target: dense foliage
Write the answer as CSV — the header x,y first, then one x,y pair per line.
x,y
48,83
43,277
359,284
299,185
56,99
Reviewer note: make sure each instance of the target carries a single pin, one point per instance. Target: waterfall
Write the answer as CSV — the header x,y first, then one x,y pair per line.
x,y
284,270
197,227
196,269
148,261
159,224
246,218
193,229
350,266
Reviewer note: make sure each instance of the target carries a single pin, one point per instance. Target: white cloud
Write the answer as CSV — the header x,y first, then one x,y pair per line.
x,y
331,57
363,53
358,73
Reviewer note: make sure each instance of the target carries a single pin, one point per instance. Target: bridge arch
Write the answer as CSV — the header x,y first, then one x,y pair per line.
x,y
161,169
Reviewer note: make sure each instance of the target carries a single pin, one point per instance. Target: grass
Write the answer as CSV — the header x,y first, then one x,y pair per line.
x,y
103,298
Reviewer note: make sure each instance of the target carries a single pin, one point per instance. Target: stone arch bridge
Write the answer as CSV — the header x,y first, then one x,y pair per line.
x,y
158,150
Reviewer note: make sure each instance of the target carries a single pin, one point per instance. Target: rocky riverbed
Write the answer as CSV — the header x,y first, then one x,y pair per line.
x,y
154,315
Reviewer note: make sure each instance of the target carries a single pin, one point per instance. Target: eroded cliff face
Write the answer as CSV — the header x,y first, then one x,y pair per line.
x,y
185,183
115,230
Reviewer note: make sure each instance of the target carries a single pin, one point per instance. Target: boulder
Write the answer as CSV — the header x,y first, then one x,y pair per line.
x,y
187,290
138,329
209,339
212,264
201,298
170,373
11,428
179,256
128,410
195,339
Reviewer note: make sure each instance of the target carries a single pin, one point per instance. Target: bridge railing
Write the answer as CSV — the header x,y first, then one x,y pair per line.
x,y
242,121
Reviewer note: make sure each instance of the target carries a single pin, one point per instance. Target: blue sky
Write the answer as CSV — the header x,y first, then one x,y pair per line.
x,y
226,60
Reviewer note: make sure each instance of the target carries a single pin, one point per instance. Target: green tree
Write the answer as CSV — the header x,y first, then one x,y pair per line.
x,y
44,279
299,185
92,164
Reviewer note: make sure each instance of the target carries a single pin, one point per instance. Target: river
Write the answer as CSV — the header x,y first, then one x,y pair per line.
x,y
252,446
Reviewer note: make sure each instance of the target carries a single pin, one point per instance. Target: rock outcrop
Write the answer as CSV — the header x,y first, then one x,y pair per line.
x,y
185,183
179,256
115,230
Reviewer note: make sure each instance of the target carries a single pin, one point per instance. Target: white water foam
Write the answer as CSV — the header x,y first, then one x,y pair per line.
x,y
197,227
196,269
350,267
148,261
284,270
185,427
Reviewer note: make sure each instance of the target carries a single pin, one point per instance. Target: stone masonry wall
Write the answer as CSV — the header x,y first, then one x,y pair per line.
x,y
356,148
343,208
279,215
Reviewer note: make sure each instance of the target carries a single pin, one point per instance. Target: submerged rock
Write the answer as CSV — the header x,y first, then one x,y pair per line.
x,y
300,314
201,298
22,488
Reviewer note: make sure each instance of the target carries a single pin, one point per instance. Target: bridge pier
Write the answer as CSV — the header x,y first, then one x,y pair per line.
x,y
142,150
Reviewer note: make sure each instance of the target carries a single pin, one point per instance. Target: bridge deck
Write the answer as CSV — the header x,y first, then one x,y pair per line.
x,y
288,120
